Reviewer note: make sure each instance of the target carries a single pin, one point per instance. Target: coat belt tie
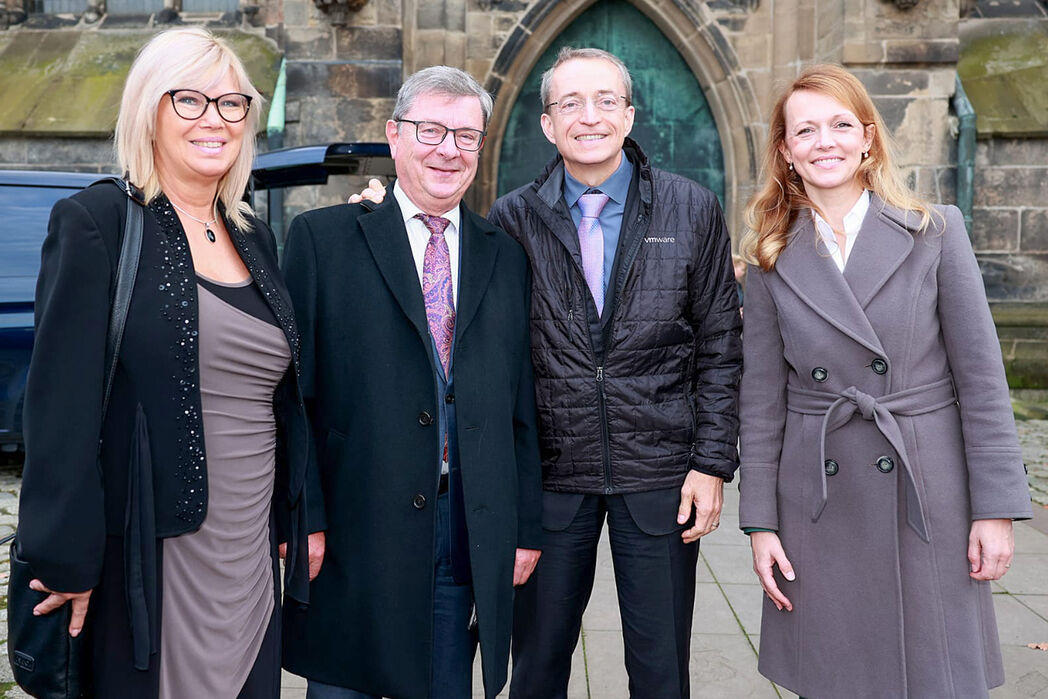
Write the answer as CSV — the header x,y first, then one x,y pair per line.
x,y
838,408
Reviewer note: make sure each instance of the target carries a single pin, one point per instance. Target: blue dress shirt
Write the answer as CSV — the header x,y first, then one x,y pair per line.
x,y
617,187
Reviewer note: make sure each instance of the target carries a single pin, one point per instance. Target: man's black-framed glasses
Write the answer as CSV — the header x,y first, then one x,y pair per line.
x,y
191,104
431,133
575,104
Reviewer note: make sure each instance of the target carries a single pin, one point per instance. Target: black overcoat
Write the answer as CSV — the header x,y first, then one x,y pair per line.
x,y
368,375
71,501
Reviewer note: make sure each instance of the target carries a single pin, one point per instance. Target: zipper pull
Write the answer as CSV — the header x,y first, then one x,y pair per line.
x,y
600,373
571,314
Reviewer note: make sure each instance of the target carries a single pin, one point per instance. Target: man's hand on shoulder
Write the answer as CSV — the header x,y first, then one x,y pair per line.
x,y
374,192
704,493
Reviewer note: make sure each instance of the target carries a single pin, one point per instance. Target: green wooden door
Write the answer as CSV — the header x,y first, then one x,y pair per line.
x,y
674,125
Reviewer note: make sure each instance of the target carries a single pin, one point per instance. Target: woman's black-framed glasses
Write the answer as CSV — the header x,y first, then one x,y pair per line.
x,y
191,104
431,133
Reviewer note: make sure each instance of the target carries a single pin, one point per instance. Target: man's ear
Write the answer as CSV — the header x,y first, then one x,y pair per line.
x,y
630,114
547,127
392,136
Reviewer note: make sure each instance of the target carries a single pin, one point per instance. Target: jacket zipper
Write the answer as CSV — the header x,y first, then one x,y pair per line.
x,y
605,449
605,430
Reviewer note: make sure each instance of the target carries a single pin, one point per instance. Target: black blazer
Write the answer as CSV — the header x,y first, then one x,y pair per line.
x,y
368,371
153,430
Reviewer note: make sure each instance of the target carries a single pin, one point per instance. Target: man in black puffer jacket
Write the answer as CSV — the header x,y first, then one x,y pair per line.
x,y
637,356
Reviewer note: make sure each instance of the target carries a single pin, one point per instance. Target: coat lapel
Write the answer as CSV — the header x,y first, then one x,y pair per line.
x,y
266,274
478,249
388,240
806,267
884,243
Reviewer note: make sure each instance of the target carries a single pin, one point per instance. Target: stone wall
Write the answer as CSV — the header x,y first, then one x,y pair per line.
x,y
1010,227
35,153
340,77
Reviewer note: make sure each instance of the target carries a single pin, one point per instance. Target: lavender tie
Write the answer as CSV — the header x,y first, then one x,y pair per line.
x,y
436,287
591,244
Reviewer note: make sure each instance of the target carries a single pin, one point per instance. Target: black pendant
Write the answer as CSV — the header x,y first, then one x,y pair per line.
x,y
209,233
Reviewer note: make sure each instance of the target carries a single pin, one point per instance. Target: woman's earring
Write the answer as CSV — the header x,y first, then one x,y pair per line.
x,y
791,167
866,155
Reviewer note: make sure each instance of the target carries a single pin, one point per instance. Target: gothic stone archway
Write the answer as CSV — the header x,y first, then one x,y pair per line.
x,y
699,42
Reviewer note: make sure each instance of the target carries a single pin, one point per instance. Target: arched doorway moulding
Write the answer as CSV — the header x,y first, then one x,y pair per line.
x,y
687,24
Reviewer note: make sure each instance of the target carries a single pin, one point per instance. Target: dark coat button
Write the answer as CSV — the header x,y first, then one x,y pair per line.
x,y
450,398
820,374
419,501
425,418
885,464
831,467
879,366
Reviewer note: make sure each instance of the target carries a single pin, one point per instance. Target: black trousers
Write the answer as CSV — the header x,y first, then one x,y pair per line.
x,y
655,578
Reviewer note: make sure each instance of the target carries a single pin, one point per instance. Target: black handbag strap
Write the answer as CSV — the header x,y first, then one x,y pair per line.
x,y
127,270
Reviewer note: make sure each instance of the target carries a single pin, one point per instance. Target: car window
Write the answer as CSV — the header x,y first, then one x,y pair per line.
x,y
294,200
24,212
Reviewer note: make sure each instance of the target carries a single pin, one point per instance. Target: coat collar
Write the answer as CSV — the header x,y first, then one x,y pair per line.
x,y
383,228
805,266
885,245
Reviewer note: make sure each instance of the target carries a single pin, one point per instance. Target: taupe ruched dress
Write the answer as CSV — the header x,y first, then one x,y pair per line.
x,y
218,592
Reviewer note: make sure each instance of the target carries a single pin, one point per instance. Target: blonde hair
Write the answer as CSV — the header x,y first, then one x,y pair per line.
x,y
189,57
772,211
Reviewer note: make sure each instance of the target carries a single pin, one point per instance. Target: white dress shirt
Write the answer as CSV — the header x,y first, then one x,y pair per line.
x,y
418,236
852,224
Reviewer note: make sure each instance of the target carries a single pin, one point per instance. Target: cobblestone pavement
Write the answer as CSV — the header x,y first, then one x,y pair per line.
x,y
1033,435
10,480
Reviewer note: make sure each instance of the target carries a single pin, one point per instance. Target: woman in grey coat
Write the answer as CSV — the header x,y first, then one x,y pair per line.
x,y
880,466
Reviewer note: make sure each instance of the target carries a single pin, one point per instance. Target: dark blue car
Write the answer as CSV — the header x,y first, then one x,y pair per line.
x,y
26,199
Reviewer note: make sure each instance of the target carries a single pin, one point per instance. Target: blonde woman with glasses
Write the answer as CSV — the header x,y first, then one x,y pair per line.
x,y
166,547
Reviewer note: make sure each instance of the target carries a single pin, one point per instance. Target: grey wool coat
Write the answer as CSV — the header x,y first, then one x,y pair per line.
x,y
900,359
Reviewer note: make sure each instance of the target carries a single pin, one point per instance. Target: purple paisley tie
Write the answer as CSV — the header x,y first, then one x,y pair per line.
x,y
591,244
436,287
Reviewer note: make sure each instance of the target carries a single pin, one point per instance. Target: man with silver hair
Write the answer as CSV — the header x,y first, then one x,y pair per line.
x,y
636,335
417,378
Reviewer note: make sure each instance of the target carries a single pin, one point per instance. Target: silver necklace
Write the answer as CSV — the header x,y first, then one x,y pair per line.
x,y
207,224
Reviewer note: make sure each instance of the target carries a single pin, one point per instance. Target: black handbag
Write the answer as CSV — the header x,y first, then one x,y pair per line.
x,y
47,662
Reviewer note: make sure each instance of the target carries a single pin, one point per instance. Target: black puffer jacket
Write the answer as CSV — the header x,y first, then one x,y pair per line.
x,y
628,403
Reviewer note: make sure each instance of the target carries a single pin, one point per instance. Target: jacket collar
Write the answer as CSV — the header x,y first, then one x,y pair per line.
x,y
550,183
549,191
882,246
